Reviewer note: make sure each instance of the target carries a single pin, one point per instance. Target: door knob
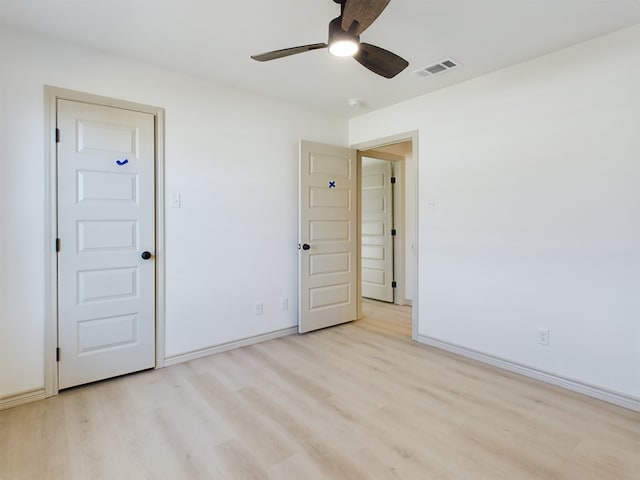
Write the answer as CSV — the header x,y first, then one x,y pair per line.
x,y
146,255
306,246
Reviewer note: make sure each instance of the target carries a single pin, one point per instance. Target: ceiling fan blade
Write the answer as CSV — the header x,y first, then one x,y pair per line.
x,y
380,61
363,12
285,52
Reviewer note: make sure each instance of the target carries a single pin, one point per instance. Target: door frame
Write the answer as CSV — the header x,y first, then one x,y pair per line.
x,y
51,96
411,136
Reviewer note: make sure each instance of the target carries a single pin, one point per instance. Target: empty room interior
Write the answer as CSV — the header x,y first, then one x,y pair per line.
x,y
227,252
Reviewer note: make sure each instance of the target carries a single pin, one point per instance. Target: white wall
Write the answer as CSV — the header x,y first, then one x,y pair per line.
x,y
535,175
232,156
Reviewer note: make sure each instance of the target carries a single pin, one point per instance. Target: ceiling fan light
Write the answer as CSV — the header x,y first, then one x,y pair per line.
x,y
343,48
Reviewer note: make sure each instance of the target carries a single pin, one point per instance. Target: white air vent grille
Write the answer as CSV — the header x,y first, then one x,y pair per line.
x,y
435,68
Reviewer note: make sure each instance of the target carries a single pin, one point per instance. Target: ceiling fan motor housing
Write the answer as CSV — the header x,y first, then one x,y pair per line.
x,y
337,33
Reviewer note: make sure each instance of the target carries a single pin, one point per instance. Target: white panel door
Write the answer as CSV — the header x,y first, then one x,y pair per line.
x,y
328,236
106,209
377,223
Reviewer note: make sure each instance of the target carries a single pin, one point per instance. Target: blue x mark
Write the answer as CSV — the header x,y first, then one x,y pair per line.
x,y
332,184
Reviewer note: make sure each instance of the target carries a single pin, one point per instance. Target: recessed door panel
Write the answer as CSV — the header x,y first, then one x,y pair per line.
x,y
106,137
375,252
372,202
373,180
332,165
107,284
95,236
99,334
333,296
107,186
323,231
329,198
373,276
329,263
373,228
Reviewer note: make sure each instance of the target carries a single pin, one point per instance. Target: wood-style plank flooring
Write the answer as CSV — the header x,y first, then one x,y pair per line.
x,y
358,401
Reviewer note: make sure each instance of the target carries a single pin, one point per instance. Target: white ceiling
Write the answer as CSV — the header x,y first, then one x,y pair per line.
x,y
214,39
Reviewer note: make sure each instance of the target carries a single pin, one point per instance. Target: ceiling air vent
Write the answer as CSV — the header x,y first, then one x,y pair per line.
x,y
434,69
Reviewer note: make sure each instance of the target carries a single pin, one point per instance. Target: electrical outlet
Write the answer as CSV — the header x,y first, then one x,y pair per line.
x,y
284,303
259,309
543,336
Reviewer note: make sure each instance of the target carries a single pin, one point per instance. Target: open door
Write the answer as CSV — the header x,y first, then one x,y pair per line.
x,y
328,239
377,229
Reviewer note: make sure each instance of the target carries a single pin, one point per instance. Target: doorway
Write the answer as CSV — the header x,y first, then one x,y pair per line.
x,y
385,227
105,270
329,188
402,150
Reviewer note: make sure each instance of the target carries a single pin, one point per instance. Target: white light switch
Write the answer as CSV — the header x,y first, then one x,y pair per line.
x,y
174,200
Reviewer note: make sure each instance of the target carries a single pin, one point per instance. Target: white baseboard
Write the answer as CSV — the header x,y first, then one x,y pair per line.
x,y
622,400
21,398
205,352
29,396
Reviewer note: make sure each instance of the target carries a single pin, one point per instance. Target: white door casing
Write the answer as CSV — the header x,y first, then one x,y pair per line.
x,y
328,236
106,212
377,225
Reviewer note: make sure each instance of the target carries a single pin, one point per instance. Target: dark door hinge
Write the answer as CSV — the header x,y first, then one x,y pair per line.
x,y
393,232
57,135
393,179
57,244
394,284
57,354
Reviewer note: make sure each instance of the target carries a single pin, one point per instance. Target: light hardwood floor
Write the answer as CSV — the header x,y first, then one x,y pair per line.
x,y
358,401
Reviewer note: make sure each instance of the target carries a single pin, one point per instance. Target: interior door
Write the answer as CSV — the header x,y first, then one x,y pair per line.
x,y
377,225
106,231
328,236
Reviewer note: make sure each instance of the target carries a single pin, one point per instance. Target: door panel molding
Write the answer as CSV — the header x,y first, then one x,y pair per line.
x,y
51,97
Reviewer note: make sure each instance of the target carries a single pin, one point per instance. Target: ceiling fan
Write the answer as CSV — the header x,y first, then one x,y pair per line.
x,y
344,39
